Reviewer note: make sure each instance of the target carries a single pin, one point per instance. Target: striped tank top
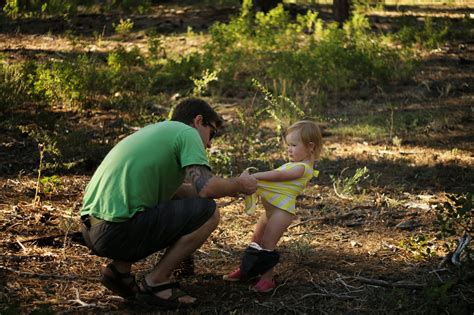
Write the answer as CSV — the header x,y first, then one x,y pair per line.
x,y
281,194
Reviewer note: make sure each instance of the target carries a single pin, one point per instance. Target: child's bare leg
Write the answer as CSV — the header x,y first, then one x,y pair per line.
x,y
277,223
260,228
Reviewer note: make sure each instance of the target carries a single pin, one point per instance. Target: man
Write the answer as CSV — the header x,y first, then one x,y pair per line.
x,y
152,191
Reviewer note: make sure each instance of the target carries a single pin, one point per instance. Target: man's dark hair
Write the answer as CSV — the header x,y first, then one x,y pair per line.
x,y
189,108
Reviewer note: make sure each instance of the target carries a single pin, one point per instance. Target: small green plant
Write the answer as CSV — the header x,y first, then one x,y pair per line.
x,y
346,186
420,246
454,218
155,49
50,184
48,149
124,27
302,248
201,84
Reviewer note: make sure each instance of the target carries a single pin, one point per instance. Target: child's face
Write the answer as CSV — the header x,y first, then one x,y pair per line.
x,y
297,151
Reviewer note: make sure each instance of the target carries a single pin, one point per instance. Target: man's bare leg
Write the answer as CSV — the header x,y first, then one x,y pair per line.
x,y
184,247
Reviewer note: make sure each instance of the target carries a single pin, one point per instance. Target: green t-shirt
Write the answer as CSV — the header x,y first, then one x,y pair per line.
x,y
142,170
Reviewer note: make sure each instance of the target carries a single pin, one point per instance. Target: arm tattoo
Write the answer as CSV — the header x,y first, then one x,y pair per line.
x,y
198,176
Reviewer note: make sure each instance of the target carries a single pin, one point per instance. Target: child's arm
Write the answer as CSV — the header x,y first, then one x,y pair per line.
x,y
279,176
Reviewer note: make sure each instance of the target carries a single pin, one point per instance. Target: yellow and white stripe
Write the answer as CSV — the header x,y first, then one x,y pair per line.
x,y
281,194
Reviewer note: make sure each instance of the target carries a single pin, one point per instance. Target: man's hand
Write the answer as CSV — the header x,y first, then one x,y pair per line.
x,y
247,183
209,186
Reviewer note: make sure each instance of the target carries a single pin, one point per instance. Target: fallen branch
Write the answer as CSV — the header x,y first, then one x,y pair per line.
x,y
344,297
398,284
455,256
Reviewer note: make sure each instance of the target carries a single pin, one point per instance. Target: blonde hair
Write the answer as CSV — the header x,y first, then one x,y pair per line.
x,y
309,132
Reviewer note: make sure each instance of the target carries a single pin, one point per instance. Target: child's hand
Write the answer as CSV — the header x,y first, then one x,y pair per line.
x,y
248,169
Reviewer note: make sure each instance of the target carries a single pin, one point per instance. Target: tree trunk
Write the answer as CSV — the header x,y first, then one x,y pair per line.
x,y
265,5
340,9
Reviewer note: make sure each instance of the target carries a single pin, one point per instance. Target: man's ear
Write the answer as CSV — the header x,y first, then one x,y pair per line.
x,y
198,120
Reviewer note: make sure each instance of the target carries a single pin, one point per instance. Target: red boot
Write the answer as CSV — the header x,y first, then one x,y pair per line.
x,y
235,275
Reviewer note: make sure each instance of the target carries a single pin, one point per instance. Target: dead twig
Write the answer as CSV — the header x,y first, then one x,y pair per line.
x,y
398,284
80,302
302,222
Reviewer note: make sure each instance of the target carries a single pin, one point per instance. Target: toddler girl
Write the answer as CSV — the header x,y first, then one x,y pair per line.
x,y
277,190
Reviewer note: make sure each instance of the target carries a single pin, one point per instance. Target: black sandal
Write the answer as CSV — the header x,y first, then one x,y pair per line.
x,y
117,284
147,295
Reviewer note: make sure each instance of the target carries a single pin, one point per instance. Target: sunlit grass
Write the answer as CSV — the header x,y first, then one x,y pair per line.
x,y
361,130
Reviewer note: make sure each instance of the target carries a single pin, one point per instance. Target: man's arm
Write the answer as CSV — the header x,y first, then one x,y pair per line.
x,y
209,186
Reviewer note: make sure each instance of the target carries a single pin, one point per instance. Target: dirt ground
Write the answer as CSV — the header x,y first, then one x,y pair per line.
x,y
341,255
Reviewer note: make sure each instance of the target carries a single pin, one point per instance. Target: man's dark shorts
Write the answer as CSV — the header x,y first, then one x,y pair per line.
x,y
148,231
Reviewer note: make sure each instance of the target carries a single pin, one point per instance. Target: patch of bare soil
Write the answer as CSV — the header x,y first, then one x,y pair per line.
x,y
341,255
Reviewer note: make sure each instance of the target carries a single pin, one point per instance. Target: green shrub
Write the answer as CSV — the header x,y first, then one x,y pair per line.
x,y
57,82
430,36
35,8
14,87
129,80
304,53
177,73
72,82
